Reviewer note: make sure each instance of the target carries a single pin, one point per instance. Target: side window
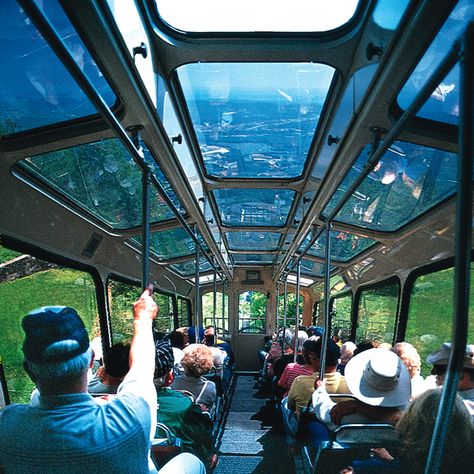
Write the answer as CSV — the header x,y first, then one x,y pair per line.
x,y
252,312
317,318
208,310
39,283
183,312
290,309
164,321
341,310
377,313
121,297
430,313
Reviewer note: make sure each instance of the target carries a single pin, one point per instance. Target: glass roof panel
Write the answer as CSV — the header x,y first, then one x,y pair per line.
x,y
171,243
408,181
100,177
188,268
255,120
308,267
443,104
36,89
248,15
259,259
254,207
344,246
253,240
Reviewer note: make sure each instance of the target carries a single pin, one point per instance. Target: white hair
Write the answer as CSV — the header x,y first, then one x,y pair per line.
x,y
67,368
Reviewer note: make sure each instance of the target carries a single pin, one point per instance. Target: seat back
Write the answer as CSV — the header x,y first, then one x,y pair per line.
x,y
353,441
164,445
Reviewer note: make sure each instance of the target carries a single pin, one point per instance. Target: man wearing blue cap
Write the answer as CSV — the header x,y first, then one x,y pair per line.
x,y
69,431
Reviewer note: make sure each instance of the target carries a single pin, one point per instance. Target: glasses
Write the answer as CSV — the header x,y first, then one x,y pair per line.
x,y
438,370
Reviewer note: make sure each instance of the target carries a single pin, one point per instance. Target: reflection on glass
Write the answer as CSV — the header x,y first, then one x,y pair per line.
x,y
254,207
344,246
188,268
255,120
308,267
408,180
133,32
443,105
253,240
35,87
244,258
167,114
101,178
351,99
171,243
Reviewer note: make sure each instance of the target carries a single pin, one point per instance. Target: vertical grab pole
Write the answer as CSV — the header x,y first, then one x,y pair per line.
x,y
327,276
197,295
214,306
462,252
297,310
146,181
284,315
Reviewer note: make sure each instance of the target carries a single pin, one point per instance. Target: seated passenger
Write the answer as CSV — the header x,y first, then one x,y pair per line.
x,y
380,382
178,343
440,358
293,369
183,417
410,357
303,386
296,345
365,345
70,431
415,429
192,335
280,347
109,376
197,361
347,352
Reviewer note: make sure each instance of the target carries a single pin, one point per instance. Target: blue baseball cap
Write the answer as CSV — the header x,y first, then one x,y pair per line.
x,y
53,334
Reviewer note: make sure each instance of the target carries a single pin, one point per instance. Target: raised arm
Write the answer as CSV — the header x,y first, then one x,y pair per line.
x,y
142,349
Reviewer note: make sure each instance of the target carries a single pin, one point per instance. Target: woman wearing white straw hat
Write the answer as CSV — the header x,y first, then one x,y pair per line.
x,y
379,381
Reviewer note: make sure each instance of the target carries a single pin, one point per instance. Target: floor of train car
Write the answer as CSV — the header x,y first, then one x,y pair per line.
x,y
252,439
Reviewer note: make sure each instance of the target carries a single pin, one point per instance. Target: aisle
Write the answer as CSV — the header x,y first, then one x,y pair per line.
x,y
252,440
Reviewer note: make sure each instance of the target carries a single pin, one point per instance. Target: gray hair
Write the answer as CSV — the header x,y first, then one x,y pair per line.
x,y
67,368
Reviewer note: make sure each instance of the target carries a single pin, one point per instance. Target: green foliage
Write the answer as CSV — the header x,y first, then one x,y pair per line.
x,y
52,287
7,254
290,309
430,313
207,309
252,310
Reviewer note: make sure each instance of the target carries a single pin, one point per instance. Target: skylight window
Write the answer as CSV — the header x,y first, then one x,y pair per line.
x,y
255,120
251,15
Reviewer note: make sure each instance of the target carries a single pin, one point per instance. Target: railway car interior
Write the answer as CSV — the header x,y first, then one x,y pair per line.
x,y
264,165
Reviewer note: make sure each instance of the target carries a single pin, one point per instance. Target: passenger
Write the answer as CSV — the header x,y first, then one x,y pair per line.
x,y
296,344
315,332
347,352
197,361
184,330
379,381
279,347
192,335
184,418
293,369
70,431
303,386
414,430
365,345
439,359
109,376
410,357
299,396
178,343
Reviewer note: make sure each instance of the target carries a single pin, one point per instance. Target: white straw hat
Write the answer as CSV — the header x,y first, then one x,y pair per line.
x,y
379,378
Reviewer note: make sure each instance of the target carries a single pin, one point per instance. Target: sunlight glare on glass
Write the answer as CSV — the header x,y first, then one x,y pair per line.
x,y
251,15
